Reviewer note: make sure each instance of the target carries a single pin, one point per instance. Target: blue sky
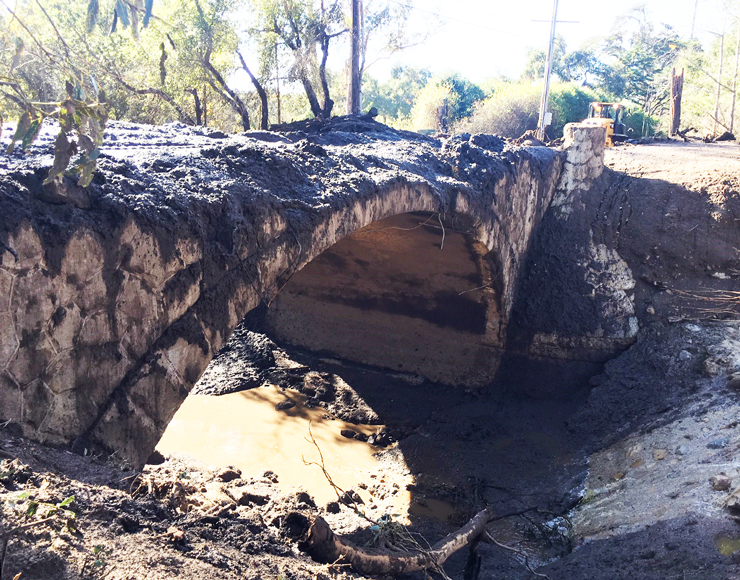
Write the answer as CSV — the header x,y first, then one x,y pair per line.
x,y
485,38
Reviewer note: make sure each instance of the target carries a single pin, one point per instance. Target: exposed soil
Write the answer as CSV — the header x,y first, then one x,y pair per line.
x,y
627,468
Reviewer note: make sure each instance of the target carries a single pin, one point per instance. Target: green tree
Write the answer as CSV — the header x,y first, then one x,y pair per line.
x,y
642,59
395,97
306,29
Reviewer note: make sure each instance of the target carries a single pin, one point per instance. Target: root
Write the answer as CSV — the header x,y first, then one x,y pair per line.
x,y
319,541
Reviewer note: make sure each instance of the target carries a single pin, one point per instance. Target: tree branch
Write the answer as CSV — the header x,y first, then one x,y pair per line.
x,y
264,121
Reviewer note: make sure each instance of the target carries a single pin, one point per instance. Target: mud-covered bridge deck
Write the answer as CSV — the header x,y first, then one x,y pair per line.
x,y
112,304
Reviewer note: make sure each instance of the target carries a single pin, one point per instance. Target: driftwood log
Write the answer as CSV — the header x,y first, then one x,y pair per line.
x,y
318,540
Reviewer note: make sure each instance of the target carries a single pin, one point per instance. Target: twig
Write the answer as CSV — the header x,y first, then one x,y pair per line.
x,y
516,551
442,245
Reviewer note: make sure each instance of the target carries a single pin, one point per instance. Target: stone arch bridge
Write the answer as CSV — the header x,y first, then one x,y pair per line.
x,y
114,299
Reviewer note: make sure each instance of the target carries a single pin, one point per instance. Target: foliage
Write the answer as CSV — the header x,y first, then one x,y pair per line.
x,y
306,28
35,512
513,109
445,101
642,58
395,97
510,111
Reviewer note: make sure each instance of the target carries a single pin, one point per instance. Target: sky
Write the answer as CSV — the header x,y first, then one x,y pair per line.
x,y
486,38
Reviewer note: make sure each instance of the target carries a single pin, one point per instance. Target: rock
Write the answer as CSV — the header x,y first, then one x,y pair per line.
x,y
682,450
156,458
733,381
361,437
247,497
270,476
304,499
710,368
348,433
693,328
229,474
284,405
733,504
332,507
684,355
720,482
718,443
659,454
380,439
350,497
650,310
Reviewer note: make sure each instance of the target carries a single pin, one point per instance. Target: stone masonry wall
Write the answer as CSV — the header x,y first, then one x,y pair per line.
x,y
112,307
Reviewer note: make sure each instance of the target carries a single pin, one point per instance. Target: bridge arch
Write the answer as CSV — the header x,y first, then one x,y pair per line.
x,y
132,307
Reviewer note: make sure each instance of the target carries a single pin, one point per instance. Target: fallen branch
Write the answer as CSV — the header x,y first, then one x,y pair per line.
x,y
319,541
495,542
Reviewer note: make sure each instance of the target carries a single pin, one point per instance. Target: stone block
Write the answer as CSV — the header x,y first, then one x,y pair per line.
x,y
11,399
6,285
37,402
8,339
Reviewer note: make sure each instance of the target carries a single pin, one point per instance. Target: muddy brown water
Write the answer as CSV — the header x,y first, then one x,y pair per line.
x,y
245,430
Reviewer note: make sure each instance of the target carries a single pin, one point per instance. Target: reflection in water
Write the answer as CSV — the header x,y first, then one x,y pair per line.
x,y
246,431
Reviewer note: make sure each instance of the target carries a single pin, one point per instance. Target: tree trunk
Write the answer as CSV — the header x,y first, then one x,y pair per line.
x,y
676,94
198,108
328,102
264,121
320,542
311,94
354,93
228,93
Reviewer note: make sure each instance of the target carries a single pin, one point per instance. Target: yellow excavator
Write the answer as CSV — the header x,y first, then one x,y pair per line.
x,y
611,117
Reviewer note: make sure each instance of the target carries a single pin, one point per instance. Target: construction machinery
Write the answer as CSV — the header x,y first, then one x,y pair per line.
x,y
611,117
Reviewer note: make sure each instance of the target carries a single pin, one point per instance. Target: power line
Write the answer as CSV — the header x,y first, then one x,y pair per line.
x,y
452,18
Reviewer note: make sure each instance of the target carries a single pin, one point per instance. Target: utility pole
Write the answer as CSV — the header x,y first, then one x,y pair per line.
x,y
545,116
693,20
719,81
354,94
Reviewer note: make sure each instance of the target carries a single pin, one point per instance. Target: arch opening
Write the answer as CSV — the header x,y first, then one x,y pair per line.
x,y
411,293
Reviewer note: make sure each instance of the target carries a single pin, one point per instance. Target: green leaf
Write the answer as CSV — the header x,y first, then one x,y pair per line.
x,y
64,150
23,495
32,133
32,507
93,10
24,124
87,172
122,11
66,501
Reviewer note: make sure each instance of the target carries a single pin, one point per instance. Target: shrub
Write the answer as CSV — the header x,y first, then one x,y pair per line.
x,y
514,108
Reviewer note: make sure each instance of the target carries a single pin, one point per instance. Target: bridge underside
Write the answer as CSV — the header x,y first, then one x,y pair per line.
x,y
409,293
